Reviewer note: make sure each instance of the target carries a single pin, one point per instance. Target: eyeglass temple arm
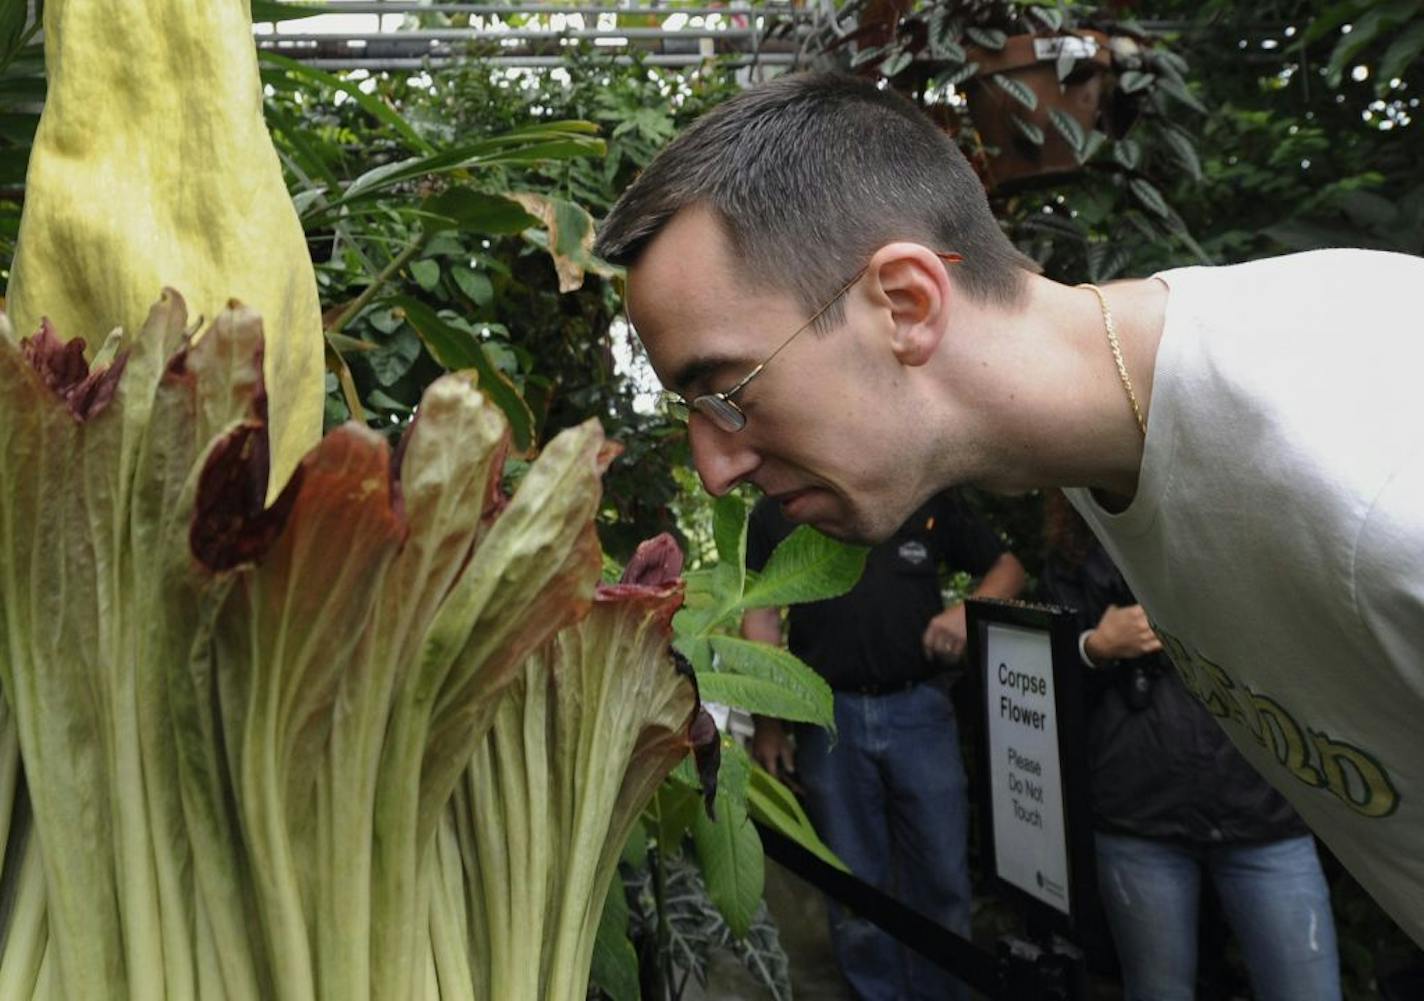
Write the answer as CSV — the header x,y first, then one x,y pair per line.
x,y
949,257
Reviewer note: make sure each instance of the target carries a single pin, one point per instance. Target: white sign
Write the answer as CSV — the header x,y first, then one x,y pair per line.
x,y
1026,788
1071,46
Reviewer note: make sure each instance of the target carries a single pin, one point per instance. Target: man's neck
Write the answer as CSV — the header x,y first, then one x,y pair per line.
x,y
1094,439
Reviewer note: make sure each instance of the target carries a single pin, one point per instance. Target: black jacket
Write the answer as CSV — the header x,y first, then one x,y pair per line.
x,y
1167,769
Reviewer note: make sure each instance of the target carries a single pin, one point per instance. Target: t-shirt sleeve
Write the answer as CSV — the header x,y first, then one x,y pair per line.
x,y
964,540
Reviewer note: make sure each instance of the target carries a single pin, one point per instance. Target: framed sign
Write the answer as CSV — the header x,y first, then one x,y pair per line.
x,y
1038,822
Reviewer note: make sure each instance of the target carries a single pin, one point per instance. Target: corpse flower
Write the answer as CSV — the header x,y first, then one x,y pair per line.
x,y
241,726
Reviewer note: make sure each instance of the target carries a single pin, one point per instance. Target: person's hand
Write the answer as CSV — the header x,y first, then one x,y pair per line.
x,y
771,748
1122,633
946,634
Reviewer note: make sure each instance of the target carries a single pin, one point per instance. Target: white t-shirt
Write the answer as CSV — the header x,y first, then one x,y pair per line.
x,y
1276,539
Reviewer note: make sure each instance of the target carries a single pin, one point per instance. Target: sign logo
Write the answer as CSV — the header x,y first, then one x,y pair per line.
x,y
914,553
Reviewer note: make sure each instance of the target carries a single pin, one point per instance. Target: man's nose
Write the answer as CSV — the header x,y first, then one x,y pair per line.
x,y
723,458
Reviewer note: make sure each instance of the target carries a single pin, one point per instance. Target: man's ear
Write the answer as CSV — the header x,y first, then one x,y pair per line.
x,y
909,281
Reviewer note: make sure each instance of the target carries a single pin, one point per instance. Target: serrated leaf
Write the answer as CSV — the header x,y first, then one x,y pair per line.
x,y
729,532
1128,153
1148,195
1017,90
806,566
1134,80
797,691
1067,126
729,848
1028,130
987,38
894,64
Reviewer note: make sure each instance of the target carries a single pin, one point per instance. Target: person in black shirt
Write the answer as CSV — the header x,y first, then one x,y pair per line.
x,y
887,793
1174,802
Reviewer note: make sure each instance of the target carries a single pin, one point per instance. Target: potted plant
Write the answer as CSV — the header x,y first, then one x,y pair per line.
x,y
1044,84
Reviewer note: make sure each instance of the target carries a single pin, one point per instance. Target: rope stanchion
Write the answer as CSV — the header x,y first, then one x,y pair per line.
x,y
977,967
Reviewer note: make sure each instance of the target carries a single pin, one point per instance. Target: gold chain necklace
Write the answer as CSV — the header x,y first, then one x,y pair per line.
x,y
1122,375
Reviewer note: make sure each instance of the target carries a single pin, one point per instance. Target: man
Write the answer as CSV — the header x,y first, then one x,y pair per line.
x,y
1270,519
887,793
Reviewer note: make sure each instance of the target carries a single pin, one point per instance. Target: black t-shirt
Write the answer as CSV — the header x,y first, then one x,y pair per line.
x,y
872,634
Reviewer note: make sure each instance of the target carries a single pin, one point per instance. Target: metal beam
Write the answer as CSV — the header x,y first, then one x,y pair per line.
x,y
548,62
506,10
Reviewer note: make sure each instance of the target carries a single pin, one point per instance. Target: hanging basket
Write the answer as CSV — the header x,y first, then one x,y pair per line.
x,y
1032,61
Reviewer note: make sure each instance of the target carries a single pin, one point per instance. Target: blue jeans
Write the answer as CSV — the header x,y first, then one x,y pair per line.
x,y
889,797
1274,896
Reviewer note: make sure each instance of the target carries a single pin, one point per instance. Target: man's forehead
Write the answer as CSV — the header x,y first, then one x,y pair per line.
x,y
693,316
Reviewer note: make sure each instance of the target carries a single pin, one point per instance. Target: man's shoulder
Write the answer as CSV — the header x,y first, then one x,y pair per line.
x,y
1304,276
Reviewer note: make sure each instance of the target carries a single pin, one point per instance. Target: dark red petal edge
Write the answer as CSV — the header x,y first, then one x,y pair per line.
x,y
706,741
62,367
231,527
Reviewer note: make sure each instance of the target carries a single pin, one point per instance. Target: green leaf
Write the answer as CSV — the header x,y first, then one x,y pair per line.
x,y
771,803
1402,52
729,848
1017,90
569,240
1149,196
1128,153
1134,80
729,531
474,211
1028,130
674,808
474,284
393,358
1067,126
1329,20
866,55
348,345
954,77
1378,19
522,146
13,15
426,274
1051,17
615,964
1184,150
372,105
1095,142
714,598
781,684
987,38
457,350
896,63
806,566
286,10
1178,90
